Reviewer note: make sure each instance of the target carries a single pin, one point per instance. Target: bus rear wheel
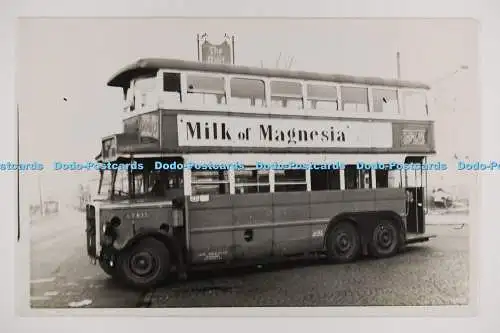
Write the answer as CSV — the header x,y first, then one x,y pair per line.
x,y
343,243
144,265
386,239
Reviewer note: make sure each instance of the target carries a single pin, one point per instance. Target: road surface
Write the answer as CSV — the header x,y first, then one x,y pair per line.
x,y
433,273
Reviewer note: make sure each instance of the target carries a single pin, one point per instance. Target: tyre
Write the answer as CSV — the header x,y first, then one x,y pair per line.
x,y
386,239
144,265
343,243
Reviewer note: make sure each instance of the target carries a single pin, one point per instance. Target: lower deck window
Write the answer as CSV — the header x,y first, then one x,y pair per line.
x,y
290,181
389,178
209,182
251,180
357,179
322,180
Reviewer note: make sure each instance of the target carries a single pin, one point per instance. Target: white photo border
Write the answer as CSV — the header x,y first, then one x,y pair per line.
x,y
482,239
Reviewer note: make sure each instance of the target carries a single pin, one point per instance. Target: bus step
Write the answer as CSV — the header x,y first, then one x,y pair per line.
x,y
412,238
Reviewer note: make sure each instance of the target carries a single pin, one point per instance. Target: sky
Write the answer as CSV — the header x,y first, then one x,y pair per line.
x,y
74,58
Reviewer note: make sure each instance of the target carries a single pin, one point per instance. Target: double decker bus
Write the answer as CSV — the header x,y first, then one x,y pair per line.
x,y
229,164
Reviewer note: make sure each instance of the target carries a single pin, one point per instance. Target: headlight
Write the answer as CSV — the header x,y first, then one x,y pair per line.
x,y
104,227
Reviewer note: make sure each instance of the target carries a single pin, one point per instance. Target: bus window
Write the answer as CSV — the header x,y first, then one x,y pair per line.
x,y
171,87
385,100
106,183
209,182
351,177
365,178
251,181
206,89
354,99
286,94
415,103
414,178
144,89
248,92
130,99
322,96
389,178
290,180
122,183
382,178
357,179
322,180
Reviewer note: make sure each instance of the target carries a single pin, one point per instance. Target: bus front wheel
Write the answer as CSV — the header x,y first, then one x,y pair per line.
x,y
145,264
343,243
385,240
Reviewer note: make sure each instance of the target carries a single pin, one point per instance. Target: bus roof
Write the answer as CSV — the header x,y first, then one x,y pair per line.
x,y
151,65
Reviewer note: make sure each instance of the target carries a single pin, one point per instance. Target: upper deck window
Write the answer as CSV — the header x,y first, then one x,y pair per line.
x,y
286,94
385,100
354,99
205,89
248,92
415,103
322,96
146,84
143,91
172,87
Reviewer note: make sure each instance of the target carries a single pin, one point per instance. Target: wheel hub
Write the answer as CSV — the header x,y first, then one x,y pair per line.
x,y
343,242
385,237
142,263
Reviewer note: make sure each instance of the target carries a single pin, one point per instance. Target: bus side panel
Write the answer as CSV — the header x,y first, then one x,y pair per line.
x,y
324,205
210,225
291,236
392,199
361,200
136,220
253,232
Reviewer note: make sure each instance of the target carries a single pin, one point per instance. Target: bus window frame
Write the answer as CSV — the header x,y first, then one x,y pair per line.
x,y
321,83
267,99
306,182
405,115
153,95
251,168
397,97
306,110
369,110
185,90
227,182
301,98
163,103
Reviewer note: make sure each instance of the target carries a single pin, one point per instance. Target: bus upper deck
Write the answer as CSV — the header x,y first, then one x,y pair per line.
x,y
149,84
